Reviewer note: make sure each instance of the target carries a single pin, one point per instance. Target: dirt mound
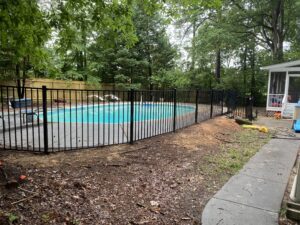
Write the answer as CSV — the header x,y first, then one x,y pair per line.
x,y
205,134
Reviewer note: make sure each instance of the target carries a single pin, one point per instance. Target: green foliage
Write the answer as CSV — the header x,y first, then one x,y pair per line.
x,y
126,43
81,24
167,79
242,32
133,66
12,217
24,31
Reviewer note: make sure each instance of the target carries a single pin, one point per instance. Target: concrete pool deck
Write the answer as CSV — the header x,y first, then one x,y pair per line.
x,y
254,195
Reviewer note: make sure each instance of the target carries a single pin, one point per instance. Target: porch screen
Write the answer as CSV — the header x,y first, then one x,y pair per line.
x,y
277,86
277,82
294,90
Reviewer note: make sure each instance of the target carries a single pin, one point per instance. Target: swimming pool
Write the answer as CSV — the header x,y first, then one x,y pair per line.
x,y
117,113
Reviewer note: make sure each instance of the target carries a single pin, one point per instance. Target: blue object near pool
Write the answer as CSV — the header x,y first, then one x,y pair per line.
x,y
297,126
19,103
117,113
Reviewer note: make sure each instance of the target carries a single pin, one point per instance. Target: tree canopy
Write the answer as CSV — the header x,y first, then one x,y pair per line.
x,y
131,43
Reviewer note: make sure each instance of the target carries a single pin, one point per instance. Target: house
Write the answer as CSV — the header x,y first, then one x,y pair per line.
x,y
283,87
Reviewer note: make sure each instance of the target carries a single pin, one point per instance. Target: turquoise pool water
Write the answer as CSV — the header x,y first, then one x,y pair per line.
x,y
116,113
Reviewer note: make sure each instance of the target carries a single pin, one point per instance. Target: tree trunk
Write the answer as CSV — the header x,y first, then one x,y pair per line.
x,y
150,74
84,60
21,81
193,52
149,58
84,65
244,66
252,63
218,65
278,29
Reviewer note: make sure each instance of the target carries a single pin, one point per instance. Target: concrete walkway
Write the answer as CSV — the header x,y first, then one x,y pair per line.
x,y
254,195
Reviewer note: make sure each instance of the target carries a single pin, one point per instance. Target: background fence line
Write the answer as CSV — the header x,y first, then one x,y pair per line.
x,y
49,119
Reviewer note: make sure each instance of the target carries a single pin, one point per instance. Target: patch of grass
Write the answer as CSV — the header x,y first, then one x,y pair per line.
x,y
46,218
237,151
75,222
12,217
283,210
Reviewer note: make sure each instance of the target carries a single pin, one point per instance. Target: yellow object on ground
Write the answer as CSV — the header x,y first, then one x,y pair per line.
x,y
255,127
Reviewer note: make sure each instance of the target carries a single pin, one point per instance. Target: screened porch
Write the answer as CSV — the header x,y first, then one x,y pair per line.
x,y
283,87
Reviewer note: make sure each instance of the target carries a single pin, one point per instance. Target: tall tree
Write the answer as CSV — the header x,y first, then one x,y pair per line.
x,y
23,32
80,23
153,43
134,66
271,22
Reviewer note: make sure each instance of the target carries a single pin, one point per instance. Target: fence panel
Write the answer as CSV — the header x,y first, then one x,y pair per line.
x,y
16,132
153,113
186,109
204,105
218,103
239,105
93,118
50,120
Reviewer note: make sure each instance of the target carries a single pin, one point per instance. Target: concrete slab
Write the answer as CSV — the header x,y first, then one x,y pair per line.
x,y
254,195
268,170
278,150
220,212
274,162
254,192
271,122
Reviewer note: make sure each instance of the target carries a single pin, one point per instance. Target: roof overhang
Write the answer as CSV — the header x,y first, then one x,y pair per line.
x,y
287,66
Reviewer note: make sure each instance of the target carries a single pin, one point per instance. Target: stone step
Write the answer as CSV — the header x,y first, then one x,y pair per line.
x,y
293,214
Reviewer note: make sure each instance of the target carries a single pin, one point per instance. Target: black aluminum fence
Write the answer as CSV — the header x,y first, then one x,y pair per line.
x,y
49,120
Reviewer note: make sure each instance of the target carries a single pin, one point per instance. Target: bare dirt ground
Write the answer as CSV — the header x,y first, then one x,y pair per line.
x,y
167,179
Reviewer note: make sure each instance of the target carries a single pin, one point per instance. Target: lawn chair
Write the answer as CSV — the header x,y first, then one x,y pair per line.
x,y
111,98
99,98
27,113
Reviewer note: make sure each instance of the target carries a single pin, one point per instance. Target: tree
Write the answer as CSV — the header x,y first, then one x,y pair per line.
x,y
24,31
79,24
153,43
134,66
270,22
214,41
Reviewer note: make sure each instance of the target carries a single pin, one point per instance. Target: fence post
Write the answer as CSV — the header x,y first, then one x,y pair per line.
x,y
249,108
196,111
222,102
211,102
131,114
45,122
174,110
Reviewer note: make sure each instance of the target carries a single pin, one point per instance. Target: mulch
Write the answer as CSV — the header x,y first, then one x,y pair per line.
x,y
155,181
